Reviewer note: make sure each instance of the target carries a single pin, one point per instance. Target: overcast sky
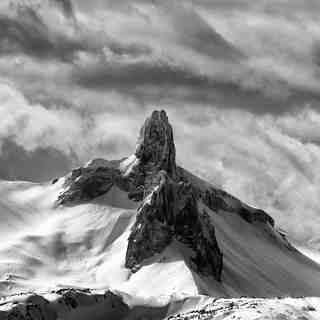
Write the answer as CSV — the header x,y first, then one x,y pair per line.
x,y
240,80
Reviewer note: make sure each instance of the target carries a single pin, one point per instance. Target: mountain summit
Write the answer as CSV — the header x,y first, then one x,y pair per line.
x,y
174,207
144,227
168,208
156,145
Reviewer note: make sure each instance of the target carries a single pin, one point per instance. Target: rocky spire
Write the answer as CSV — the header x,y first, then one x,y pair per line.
x,y
155,147
169,209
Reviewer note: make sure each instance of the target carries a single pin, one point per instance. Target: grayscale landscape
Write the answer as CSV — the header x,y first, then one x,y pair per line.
x,y
159,160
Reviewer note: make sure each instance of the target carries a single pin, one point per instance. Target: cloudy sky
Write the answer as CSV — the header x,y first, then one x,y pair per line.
x,y
240,80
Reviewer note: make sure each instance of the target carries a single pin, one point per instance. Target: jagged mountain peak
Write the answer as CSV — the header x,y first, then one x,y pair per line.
x,y
155,146
146,228
172,206
169,208
171,213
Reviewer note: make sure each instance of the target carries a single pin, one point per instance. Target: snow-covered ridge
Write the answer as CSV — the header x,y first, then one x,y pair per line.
x,y
146,228
87,304
254,309
169,196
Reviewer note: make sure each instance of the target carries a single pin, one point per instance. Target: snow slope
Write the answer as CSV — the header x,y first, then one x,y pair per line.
x,y
257,263
44,247
81,246
71,304
252,309
309,251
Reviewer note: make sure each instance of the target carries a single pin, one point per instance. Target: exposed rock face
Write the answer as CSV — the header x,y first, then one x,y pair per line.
x,y
251,308
87,183
155,147
216,199
170,209
171,212
66,305
169,197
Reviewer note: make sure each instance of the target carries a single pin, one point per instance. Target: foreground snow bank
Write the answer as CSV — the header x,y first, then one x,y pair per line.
x,y
72,304
69,304
254,309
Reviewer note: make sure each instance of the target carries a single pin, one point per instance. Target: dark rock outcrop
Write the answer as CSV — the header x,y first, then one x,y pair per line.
x,y
169,197
155,151
68,304
155,148
217,199
87,183
171,212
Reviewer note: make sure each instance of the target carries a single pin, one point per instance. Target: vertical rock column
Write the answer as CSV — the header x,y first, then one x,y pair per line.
x,y
170,209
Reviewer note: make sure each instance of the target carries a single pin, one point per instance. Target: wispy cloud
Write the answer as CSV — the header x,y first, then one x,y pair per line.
x,y
259,158
240,80
26,32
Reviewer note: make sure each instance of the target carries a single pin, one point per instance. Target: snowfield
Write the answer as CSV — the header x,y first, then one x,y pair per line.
x,y
46,247
74,304
254,309
53,253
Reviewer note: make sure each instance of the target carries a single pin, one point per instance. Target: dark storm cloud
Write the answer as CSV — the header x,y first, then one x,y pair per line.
x,y
194,55
194,32
27,33
26,30
117,75
161,83
127,49
203,63
65,5
42,164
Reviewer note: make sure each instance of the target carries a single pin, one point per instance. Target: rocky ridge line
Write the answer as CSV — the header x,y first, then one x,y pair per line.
x,y
171,212
74,304
169,199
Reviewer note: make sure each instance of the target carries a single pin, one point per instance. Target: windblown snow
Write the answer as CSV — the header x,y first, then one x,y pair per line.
x,y
45,247
67,260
